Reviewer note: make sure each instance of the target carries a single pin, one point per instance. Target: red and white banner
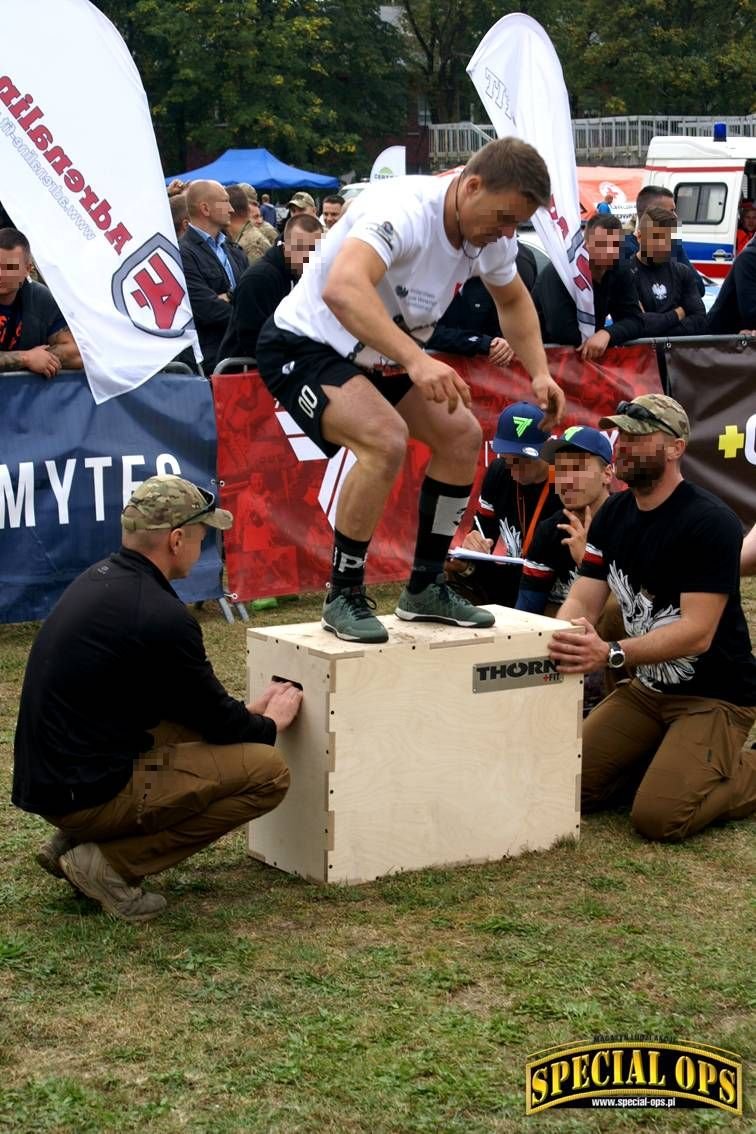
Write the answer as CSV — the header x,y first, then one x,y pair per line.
x,y
283,490
519,80
82,179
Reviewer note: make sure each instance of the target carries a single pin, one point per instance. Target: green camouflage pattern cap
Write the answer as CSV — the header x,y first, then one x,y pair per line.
x,y
654,412
168,502
302,201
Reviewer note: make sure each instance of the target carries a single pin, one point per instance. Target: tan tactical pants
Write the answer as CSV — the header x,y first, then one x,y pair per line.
x,y
682,758
183,795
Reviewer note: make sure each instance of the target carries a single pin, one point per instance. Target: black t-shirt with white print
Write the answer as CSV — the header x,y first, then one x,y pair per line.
x,y
549,568
504,509
689,544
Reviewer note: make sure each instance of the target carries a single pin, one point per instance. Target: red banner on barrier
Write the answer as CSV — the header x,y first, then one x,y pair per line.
x,y
283,490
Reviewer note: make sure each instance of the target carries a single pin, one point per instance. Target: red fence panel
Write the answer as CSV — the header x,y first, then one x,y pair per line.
x,y
283,491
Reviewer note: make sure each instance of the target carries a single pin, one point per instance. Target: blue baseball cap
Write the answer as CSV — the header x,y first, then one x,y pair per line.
x,y
582,437
517,431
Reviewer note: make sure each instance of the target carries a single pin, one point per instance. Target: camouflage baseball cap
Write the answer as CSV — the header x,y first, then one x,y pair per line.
x,y
302,201
649,413
168,502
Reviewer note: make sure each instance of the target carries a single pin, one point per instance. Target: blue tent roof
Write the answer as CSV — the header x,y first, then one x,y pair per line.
x,y
258,168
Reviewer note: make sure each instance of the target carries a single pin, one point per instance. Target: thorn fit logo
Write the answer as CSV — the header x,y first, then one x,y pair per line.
x,y
521,424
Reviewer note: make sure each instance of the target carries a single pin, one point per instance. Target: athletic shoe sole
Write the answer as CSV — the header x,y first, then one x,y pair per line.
x,y
409,616
352,637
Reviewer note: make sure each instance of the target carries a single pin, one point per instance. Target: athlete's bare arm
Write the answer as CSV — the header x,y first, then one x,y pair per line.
x,y
350,292
519,324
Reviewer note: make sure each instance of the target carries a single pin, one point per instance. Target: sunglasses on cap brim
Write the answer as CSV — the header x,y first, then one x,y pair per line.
x,y
209,507
640,413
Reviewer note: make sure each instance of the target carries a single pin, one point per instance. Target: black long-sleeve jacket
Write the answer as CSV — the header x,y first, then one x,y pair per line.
x,y
614,294
119,653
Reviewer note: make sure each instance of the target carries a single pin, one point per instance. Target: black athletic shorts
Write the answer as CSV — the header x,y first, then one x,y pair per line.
x,y
295,369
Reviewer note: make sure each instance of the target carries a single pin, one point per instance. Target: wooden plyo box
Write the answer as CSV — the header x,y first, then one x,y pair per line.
x,y
443,746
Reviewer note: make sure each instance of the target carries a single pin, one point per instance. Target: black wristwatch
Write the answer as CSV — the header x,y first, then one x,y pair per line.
x,y
616,658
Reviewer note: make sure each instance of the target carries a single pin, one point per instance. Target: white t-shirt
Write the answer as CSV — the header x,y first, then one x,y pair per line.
x,y
404,223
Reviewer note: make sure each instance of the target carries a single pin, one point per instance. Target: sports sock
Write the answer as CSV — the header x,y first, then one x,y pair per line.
x,y
348,562
442,506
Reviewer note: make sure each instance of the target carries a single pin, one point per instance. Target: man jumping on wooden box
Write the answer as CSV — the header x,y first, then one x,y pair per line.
x,y
344,354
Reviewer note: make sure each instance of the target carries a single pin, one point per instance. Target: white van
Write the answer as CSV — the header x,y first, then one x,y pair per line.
x,y
710,180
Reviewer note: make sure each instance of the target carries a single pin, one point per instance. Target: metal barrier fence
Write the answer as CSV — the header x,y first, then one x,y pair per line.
x,y
623,139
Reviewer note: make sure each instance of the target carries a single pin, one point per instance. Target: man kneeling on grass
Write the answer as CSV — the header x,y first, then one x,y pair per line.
x,y
126,741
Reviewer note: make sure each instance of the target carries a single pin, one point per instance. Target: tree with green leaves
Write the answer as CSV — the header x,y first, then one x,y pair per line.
x,y
307,79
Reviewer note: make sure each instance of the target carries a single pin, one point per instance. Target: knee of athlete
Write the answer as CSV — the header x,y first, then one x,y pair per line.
x,y
388,447
468,436
655,822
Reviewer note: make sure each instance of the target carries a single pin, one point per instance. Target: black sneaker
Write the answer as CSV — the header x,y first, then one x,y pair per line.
x,y
348,613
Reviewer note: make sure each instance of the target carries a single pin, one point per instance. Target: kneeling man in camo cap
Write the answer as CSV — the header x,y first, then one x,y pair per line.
x,y
126,741
671,740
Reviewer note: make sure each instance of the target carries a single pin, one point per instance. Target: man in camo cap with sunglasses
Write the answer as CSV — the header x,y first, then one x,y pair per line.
x,y
671,740
126,741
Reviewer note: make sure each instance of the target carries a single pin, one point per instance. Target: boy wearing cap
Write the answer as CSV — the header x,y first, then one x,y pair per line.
x,y
669,552
517,494
582,459
126,741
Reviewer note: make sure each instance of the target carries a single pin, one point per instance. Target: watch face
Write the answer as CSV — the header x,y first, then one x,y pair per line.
x,y
616,657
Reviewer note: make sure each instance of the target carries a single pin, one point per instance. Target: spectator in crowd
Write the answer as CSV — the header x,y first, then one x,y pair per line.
x,y
470,324
242,229
746,228
332,207
268,212
212,265
255,215
748,555
655,196
33,332
179,213
604,207
302,203
735,309
126,741
667,289
614,295
266,282
672,739
269,231
583,471
516,495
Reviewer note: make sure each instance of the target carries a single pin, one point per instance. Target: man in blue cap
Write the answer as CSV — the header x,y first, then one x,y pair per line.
x,y
516,494
583,470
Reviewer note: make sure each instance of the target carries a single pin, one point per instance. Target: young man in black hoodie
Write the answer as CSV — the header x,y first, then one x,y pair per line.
x,y
667,289
613,294
266,282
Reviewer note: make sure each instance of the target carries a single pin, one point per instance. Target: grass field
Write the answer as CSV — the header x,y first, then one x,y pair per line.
x,y
261,1003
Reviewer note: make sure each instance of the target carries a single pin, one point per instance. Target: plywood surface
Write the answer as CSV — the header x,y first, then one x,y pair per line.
x,y
398,764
